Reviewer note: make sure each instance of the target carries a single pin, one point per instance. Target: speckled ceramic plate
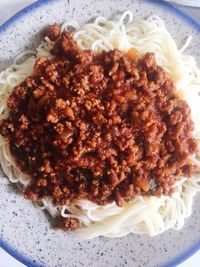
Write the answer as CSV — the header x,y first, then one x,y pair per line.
x,y
25,231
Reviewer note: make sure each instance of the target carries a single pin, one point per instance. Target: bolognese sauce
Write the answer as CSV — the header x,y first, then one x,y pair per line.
x,y
103,126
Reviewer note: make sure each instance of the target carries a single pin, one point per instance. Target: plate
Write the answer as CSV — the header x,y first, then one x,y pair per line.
x,y
25,231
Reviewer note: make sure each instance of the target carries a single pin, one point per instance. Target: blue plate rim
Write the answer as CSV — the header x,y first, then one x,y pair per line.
x,y
8,248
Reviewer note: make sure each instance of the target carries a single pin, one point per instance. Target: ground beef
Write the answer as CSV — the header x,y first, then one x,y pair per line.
x,y
52,32
103,127
66,223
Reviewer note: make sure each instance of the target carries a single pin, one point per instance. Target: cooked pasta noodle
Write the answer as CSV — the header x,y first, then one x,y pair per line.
x,y
143,215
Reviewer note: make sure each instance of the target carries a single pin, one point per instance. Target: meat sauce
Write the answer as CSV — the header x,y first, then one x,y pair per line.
x,y
103,127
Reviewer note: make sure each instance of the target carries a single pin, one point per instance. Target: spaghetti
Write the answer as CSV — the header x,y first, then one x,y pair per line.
x,y
149,215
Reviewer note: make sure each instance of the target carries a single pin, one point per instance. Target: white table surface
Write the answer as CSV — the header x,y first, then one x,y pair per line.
x,y
9,8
